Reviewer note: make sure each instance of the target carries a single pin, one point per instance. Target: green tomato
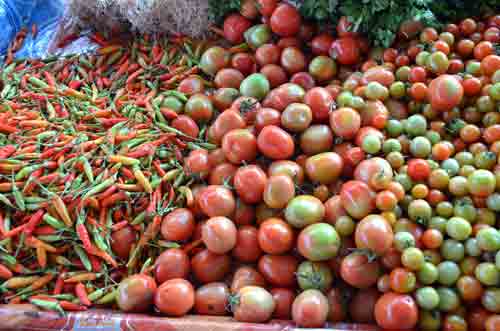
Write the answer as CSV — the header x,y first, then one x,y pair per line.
x,y
488,239
485,160
416,125
394,128
458,228
391,145
465,209
258,35
345,226
357,102
497,260
449,272
214,59
422,57
413,258
472,247
427,297
473,67
487,273
403,240
428,274
451,166
420,210
452,250
448,299
493,202
465,158
438,223
371,144
344,99
173,103
318,242
485,104
376,91
444,209
420,147
433,136
429,320
314,275
491,300
403,73
397,90
304,210
494,92
256,86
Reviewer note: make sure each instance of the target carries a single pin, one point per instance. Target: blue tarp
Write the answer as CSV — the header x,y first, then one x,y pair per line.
x,y
15,14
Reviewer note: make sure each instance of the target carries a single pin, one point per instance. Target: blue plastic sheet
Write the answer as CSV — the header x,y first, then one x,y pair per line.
x,y
15,14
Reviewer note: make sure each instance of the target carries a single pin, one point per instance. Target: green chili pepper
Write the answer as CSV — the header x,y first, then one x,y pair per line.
x,y
108,298
83,257
6,201
48,305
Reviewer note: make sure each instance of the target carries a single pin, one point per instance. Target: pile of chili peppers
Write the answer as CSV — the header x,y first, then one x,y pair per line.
x,y
86,150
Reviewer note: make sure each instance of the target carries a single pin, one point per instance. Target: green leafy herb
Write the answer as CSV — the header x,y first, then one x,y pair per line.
x,y
219,9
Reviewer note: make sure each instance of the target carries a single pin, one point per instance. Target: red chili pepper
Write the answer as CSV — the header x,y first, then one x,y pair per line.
x,y
7,151
70,306
81,294
34,221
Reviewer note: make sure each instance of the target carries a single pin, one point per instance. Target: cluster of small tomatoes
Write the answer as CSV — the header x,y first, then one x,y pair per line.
x,y
349,183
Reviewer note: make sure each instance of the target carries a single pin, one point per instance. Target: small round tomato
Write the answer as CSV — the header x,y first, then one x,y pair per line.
x,y
293,60
320,101
358,271
310,309
279,190
239,145
396,311
296,117
216,200
219,235
244,63
228,77
314,275
357,198
178,225
246,276
250,182
214,59
135,294
324,168
288,168
323,68
345,50
275,143
338,311
283,297
318,242
247,247
275,236
222,174
446,92
186,125
303,79
279,270
256,86
275,74
252,304
208,267
235,26
316,139
122,242
265,117
281,97
191,85
226,122
175,297
197,163
212,299
304,210
321,44
285,20
362,305
267,54
345,122
172,263
374,233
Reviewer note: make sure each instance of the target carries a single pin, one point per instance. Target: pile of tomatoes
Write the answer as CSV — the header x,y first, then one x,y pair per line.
x,y
349,183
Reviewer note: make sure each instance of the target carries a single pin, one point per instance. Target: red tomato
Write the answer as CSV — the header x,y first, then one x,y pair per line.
x,y
275,236
321,44
334,209
320,101
223,174
244,63
371,168
209,267
357,198
267,54
175,297
216,200
293,60
303,79
275,74
247,247
345,122
285,20
283,297
212,299
358,271
250,182
275,143
362,306
396,311
197,162
186,125
122,241
345,50
246,276
244,214
255,305
235,26
219,235
178,225
135,294
266,7
239,145
419,169
310,309
172,263
374,233
279,270
338,311
446,92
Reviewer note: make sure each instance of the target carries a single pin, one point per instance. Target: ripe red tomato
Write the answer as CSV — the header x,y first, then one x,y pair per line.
x,y
235,26
219,235
283,297
345,50
209,267
175,297
279,270
275,236
321,44
275,143
239,145
285,20
246,276
135,294
362,305
250,182
374,233
172,263
122,241
396,311
358,271
320,101
216,200
357,198
247,247
178,225
310,309
212,299
255,305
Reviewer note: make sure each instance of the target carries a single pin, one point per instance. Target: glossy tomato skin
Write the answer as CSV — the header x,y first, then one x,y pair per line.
x,y
396,311
136,293
321,44
255,305
219,234
246,276
178,225
446,92
345,50
275,236
338,311
216,200
239,145
235,26
357,198
208,267
122,241
358,271
222,174
283,297
285,20
310,309
374,233
247,247
172,263
275,143
212,299
334,209
318,242
279,190
345,122
250,182
279,270
362,305
320,101
324,168
228,120
175,297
